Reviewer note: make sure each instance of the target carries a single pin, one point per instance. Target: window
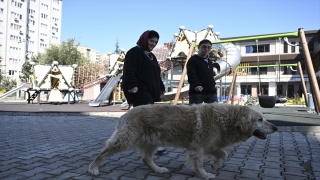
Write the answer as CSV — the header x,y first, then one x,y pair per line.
x,y
42,45
44,16
263,70
55,37
279,90
261,48
293,48
11,72
16,4
31,22
32,12
285,47
1,35
44,6
264,90
246,89
16,15
54,29
44,26
56,1
30,43
15,38
13,61
1,10
15,49
54,19
0,47
55,9
32,1
253,71
16,26
30,32
43,35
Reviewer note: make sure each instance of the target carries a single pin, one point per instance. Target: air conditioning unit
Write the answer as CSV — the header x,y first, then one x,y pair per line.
x,y
16,19
21,32
41,39
53,33
31,16
56,24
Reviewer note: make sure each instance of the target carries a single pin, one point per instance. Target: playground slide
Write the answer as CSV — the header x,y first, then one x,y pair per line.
x,y
25,85
225,66
105,92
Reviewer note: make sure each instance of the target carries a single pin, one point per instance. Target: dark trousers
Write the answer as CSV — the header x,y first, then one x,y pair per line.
x,y
200,98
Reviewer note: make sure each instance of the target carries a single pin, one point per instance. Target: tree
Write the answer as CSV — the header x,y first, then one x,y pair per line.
x,y
25,73
66,53
7,83
117,51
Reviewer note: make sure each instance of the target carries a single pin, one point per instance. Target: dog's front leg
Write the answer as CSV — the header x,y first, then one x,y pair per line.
x,y
146,153
219,157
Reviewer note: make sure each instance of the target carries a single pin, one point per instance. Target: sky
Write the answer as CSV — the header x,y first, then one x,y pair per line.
x,y
100,24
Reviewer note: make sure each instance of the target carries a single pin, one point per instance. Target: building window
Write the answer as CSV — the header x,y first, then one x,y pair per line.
x,y
44,26
32,12
44,6
285,47
1,10
54,29
31,22
264,90
261,48
246,89
1,22
16,26
55,9
44,16
42,45
16,15
293,48
56,1
16,4
15,38
11,72
279,90
32,1
263,70
1,35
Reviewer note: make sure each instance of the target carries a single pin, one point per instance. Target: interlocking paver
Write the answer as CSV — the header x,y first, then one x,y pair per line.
x,y
62,147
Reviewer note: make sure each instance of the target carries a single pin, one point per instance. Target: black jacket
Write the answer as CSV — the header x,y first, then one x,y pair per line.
x,y
200,73
139,71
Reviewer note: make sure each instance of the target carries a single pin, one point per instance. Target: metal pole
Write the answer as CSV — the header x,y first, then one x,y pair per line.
x,y
303,84
312,78
259,89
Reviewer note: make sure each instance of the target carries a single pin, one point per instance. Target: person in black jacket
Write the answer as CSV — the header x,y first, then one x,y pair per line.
x,y
141,81
201,76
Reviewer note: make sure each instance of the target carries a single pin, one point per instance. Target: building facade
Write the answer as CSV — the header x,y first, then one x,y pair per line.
x,y
27,27
277,62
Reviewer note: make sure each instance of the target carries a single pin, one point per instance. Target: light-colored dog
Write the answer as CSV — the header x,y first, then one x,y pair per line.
x,y
202,129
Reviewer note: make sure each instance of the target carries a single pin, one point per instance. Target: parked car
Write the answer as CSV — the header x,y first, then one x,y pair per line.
x,y
281,100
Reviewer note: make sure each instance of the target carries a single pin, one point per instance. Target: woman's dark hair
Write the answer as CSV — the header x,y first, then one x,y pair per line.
x,y
152,34
204,41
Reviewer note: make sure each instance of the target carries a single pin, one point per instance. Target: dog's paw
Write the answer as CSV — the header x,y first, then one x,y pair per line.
x,y
208,176
93,170
161,170
215,166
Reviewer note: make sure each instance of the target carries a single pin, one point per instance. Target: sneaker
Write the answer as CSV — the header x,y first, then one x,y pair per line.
x,y
161,151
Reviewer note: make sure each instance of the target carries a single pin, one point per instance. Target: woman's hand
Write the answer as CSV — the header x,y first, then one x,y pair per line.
x,y
198,88
133,90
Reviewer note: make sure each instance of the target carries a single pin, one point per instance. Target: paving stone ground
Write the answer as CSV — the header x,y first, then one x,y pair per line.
x,y
62,147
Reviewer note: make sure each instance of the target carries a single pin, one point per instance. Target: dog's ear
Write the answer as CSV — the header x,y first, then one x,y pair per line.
x,y
242,124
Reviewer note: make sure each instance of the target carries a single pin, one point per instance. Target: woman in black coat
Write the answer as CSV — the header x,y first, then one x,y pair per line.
x,y
141,81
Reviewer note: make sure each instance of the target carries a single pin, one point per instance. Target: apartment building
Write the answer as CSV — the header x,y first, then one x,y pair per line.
x,y
89,53
27,27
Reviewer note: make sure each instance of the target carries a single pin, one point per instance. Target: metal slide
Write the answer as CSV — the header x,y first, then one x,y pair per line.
x,y
225,66
25,85
105,92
